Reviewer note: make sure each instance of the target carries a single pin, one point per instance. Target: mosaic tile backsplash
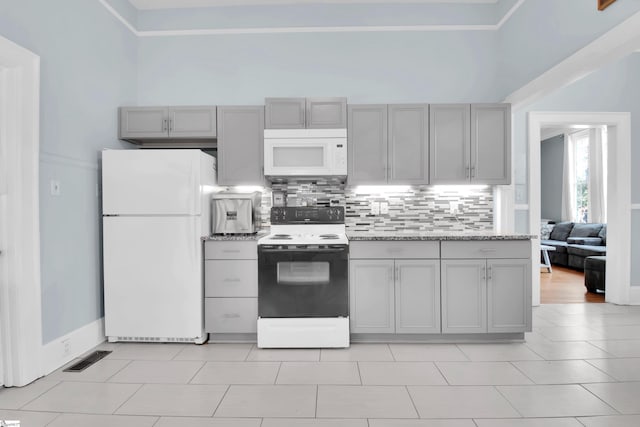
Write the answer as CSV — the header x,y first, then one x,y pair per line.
x,y
422,208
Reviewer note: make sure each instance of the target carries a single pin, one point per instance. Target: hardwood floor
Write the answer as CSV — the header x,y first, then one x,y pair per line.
x,y
564,285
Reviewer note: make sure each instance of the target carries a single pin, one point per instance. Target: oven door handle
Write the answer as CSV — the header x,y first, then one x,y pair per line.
x,y
320,250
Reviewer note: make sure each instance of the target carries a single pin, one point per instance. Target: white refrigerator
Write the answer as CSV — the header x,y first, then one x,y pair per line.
x,y
156,209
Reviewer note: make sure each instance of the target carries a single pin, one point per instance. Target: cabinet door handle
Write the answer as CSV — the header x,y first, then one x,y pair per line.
x,y
484,273
391,273
489,270
467,174
231,251
398,278
487,250
170,125
473,171
231,280
164,125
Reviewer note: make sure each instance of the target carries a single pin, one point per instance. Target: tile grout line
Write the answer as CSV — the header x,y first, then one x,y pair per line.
x,y
58,415
315,412
604,372
127,399
221,399
195,374
117,372
463,353
524,373
508,401
435,363
41,394
599,398
156,422
415,408
393,356
275,380
359,373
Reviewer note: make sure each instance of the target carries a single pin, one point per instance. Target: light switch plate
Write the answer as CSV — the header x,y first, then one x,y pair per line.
x,y
384,208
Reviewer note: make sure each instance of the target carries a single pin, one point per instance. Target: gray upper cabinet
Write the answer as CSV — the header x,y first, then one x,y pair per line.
x,y
491,143
326,113
285,113
240,145
367,136
408,148
139,124
301,113
449,143
470,144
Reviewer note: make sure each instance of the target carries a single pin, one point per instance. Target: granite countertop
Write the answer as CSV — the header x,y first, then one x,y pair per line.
x,y
435,235
235,237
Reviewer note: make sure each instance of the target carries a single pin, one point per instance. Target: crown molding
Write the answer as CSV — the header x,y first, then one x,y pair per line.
x,y
293,30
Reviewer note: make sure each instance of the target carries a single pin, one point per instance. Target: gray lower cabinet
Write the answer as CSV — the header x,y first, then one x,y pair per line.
x,y
301,113
470,143
240,145
464,296
371,296
398,295
156,123
231,287
486,287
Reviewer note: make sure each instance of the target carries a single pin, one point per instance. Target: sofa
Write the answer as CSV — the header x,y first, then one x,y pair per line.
x,y
573,242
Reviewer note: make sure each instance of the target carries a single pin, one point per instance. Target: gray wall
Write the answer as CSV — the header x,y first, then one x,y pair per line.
x,y
88,68
551,171
364,67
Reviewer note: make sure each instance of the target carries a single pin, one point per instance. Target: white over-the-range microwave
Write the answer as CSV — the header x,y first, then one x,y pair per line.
x,y
305,153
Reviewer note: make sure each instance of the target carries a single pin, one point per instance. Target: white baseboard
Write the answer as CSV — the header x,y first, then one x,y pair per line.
x,y
62,350
634,295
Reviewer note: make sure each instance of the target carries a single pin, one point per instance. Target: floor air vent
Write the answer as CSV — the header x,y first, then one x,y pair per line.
x,y
87,361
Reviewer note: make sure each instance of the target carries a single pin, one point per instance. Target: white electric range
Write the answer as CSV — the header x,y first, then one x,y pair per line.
x,y
303,279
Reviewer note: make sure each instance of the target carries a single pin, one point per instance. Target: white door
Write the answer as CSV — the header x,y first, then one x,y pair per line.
x,y
153,277
151,182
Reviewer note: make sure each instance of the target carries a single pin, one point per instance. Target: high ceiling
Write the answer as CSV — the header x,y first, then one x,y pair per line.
x,y
175,4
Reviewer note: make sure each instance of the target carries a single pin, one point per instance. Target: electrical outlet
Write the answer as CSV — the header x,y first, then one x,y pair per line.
x,y
384,208
375,208
453,208
55,187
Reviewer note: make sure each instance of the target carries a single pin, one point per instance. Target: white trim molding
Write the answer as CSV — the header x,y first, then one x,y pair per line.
x,y
317,29
64,349
618,275
617,43
635,206
20,305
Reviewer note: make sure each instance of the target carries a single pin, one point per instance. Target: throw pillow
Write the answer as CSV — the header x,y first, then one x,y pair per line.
x,y
585,230
561,231
603,234
545,231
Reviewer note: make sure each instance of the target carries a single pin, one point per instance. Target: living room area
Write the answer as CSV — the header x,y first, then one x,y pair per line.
x,y
573,228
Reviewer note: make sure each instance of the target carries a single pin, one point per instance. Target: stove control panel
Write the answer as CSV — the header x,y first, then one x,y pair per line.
x,y
307,215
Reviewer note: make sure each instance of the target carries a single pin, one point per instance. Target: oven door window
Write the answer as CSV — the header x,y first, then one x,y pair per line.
x,y
303,283
303,273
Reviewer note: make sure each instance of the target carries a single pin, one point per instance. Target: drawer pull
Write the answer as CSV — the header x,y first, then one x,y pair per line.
x,y
231,280
231,315
231,251
487,250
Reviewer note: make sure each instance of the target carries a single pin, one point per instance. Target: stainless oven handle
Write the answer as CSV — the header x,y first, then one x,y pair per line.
x,y
324,251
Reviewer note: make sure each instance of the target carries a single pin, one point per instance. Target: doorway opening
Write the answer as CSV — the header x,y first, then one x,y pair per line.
x,y
573,164
618,258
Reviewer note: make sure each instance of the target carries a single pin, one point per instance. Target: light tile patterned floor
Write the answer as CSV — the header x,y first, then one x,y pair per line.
x,y
579,367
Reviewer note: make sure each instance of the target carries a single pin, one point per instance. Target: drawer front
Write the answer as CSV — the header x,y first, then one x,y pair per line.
x,y
486,249
231,278
231,250
394,249
230,315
